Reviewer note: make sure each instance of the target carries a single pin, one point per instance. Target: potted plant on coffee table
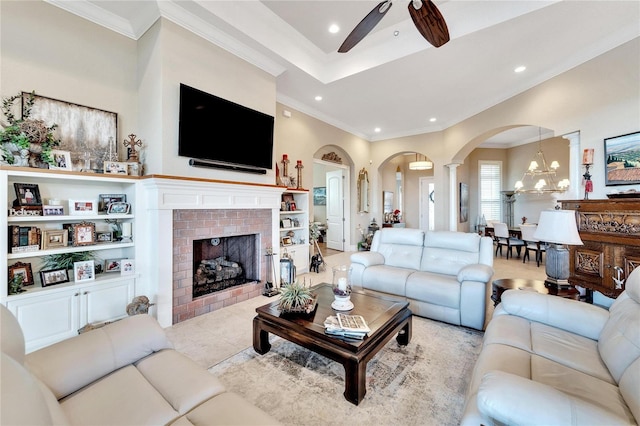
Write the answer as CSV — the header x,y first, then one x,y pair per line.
x,y
296,298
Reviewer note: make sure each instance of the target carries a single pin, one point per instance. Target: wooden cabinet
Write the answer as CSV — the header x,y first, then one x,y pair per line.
x,y
610,231
294,228
56,312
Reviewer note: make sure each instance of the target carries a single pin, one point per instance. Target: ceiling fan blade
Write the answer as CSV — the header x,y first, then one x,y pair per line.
x,y
365,26
430,23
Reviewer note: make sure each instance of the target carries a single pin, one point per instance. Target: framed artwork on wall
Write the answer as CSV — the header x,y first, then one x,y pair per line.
x,y
622,159
464,202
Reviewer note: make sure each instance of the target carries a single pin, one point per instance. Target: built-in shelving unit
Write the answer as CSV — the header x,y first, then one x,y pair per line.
x,y
52,313
294,228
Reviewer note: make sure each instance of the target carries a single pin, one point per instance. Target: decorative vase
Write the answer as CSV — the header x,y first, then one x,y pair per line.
x,y
341,289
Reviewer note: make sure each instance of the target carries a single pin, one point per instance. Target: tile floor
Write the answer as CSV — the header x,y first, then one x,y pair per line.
x,y
215,336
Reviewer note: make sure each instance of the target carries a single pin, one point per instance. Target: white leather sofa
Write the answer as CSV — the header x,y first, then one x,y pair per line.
x,y
442,274
122,374
553,361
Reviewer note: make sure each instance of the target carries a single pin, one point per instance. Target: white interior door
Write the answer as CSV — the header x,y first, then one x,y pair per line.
x,y
335,209
427,203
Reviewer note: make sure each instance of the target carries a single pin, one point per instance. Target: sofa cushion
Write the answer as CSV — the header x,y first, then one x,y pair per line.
x,y
447,252
184,385
438,289
401,248
12,338
96,353
227,409
386,279
124,397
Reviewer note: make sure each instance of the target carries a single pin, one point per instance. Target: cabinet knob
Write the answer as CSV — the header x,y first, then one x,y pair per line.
x,y
76,295
86,292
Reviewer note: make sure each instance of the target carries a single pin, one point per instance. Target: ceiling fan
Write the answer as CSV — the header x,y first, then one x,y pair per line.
x,y
426,17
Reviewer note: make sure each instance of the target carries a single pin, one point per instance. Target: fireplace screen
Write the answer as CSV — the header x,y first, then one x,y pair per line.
x,y
220,263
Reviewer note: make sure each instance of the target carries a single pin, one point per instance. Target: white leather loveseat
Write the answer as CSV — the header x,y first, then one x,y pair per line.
x,y
122,374
442,274
553,361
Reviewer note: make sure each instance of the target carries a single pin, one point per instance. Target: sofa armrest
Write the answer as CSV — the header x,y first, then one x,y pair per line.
x,y
475,272
515,400
367,258
571,315
74,363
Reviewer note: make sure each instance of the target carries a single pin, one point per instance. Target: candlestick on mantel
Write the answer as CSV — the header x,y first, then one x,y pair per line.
x,y
587,156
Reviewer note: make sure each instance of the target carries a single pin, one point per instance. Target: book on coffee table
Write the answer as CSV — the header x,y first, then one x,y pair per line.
x,y
351,326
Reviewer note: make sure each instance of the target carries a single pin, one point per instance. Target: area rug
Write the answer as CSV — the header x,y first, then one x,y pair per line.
x,y
423,383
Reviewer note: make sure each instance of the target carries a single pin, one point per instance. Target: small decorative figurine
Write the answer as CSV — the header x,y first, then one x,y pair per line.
x,y
299,167
131,143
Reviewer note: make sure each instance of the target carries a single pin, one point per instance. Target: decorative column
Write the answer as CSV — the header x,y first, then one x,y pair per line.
x,y
575,172
453,208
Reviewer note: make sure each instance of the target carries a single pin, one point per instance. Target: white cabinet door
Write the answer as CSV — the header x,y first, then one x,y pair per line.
x,y
47,319
300,256
106,302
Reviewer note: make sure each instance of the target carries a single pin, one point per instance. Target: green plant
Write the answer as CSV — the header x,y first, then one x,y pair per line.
x,y
66,260
15,284
294,297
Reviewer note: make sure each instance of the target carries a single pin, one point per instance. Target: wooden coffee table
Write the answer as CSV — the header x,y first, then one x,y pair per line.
x,y
385,318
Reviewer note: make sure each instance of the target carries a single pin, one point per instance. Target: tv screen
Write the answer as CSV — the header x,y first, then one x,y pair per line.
x,y
215,129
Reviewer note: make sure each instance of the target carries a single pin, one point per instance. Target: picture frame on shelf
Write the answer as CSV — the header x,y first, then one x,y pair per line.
x,y
97,143
54,276
134,168
54,238
118,208
24,269
286,223
621,159
112,265
127,267
292,206
105,199
287,241
116,168
27,194
84,271
61,160
83,207
81,234
49,210
104,236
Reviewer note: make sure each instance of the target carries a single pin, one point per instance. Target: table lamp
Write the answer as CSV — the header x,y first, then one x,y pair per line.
x,y
558,228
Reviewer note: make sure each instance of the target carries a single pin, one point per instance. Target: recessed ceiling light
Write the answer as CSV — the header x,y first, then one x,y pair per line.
x,y
520,68
377,130
333,28
396,33
432,119
318,98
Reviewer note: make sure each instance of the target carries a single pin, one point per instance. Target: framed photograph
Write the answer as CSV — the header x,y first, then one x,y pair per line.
x,y
83,207
81,234
61,159
118,208
116,168
286,223
105,199
292,206
104,237
320,196
112,265
622,159
91,145
135,169
27,194
127,267
286,241
55,238
49,210
54,276
21,269
84,271
464,202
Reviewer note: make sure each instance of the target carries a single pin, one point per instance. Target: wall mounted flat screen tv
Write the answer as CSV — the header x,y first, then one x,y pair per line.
x,y
221,131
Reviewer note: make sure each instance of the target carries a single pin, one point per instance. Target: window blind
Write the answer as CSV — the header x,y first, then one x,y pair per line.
x,y
490,186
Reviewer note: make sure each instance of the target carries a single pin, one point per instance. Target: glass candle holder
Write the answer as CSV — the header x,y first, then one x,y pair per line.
x,y
341,289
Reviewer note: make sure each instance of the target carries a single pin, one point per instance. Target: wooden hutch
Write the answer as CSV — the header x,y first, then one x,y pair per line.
x,y
610,231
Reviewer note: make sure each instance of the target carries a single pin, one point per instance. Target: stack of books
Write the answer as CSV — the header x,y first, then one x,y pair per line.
x,y
349,326
24,238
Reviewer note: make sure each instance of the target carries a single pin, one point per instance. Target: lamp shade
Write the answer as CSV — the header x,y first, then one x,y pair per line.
x,y
559,227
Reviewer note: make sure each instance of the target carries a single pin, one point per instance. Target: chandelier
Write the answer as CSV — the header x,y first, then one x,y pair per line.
x,y
540,178
420,165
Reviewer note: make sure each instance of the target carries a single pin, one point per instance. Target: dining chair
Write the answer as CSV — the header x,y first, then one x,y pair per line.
x,y
503,238
531,243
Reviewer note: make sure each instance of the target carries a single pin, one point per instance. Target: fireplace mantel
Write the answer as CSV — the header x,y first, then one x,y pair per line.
x,y
160,196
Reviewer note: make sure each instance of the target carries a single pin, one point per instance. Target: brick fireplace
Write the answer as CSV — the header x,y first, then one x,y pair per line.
x,y
180,210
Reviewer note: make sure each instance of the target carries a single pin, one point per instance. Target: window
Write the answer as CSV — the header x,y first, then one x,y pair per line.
x,y
490,186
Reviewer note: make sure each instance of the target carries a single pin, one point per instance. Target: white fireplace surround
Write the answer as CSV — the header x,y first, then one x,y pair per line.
x,y
159,196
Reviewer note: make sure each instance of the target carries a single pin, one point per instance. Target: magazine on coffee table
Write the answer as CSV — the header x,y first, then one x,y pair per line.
x,y
350,326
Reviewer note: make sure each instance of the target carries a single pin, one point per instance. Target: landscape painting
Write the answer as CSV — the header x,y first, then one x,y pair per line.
x,y
622,158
